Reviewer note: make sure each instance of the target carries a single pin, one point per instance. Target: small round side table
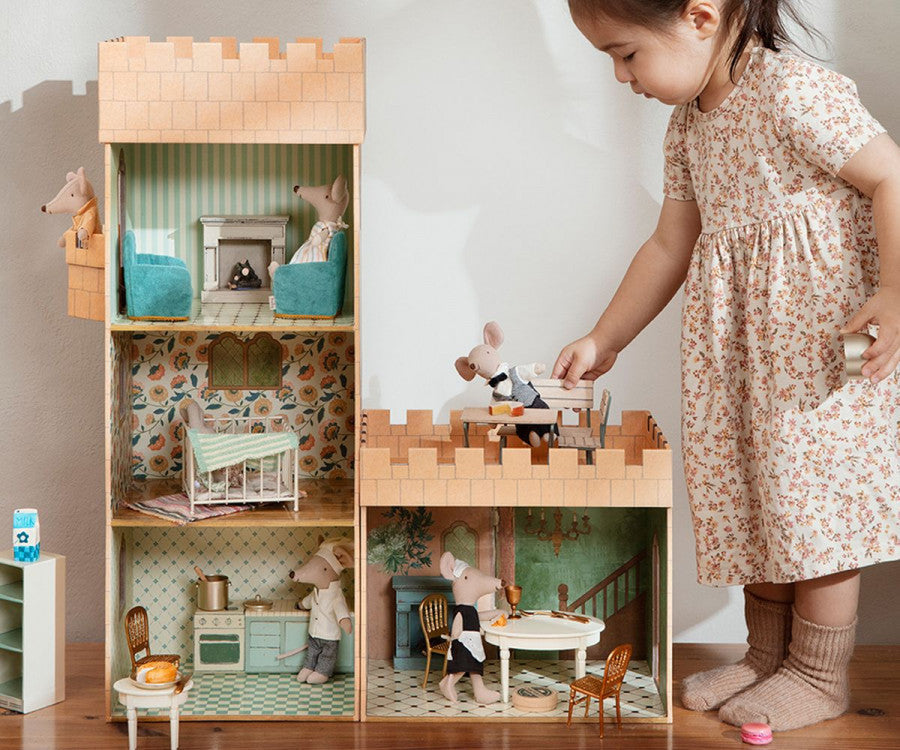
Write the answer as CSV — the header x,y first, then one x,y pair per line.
x,y
134,698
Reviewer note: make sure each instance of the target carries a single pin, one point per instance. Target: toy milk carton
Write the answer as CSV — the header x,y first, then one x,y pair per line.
x,y
26,535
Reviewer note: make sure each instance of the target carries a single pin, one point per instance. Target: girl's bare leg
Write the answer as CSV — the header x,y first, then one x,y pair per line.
x,y
773,592
831,600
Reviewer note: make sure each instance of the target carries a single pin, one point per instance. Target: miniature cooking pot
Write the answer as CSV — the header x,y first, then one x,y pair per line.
x,y
212,594
257,604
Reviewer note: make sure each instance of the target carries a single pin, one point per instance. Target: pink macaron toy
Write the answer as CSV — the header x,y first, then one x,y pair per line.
x,y
756,734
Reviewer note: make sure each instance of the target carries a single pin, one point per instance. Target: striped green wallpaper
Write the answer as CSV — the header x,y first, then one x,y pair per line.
x,y
169,186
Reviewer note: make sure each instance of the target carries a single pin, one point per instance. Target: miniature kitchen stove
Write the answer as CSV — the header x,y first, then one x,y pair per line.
x,y
219,640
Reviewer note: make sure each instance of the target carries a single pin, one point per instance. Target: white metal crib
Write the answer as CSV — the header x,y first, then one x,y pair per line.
x,y
272,478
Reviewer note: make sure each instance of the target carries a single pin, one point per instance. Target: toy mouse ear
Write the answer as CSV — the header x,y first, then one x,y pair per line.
x,y
70,176
493,334
446,565
339,188
464,368
344,555
81,178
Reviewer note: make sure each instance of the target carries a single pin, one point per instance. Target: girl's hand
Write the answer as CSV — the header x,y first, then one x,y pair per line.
x,y
883,309
585,358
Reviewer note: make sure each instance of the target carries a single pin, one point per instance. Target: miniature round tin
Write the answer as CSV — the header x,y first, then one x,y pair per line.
x,y
534,698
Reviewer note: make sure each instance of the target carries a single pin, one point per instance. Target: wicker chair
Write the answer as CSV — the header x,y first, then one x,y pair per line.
x,y
608,687
137,633
433,616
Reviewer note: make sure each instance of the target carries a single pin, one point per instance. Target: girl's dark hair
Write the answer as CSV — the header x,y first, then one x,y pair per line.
x,y
762,18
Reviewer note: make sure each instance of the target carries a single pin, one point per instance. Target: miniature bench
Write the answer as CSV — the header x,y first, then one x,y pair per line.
x,y
558,397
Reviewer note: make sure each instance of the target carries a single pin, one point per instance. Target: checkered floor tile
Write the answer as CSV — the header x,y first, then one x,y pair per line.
x,y
394,693
239,694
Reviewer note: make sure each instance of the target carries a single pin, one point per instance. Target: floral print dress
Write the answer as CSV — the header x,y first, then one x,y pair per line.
x,y
792,469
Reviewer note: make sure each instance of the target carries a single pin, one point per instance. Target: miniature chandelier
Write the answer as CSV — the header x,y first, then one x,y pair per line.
x,y
557,535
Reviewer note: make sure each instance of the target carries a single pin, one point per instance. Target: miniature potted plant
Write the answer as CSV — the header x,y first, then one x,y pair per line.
x,y
401,545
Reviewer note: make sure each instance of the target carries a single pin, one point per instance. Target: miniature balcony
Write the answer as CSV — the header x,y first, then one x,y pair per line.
x,y
422,463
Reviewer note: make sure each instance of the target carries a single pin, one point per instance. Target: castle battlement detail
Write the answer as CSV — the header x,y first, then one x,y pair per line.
x,y
222,91
422,463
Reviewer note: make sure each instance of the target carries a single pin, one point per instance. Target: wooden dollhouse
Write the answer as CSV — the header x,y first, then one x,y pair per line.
x,y
483,502
203,143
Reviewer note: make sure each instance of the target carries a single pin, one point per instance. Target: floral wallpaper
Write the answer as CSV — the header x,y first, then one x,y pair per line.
x,y
317,398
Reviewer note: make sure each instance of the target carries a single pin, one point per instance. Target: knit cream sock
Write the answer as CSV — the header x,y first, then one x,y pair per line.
x,y
809,687
768,634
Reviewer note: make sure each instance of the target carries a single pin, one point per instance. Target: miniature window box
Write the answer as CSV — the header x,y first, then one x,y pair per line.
x,y
86,269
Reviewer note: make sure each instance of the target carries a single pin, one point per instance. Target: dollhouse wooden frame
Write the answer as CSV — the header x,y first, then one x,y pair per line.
x,y
185,115
421,463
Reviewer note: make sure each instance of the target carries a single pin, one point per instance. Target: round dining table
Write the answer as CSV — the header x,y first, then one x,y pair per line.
x,y
543,632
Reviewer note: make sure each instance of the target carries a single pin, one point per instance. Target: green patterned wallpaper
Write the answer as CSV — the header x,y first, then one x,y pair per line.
x,y
617,535
256,561
169,186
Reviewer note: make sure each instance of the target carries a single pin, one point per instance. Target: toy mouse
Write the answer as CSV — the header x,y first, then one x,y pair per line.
x,y
328,612
77,199
509,383
244,277
193,417
466,653
330,202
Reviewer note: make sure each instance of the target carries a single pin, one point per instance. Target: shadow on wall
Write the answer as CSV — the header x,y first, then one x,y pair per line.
x,y
486,147
865,49
523,211
52,365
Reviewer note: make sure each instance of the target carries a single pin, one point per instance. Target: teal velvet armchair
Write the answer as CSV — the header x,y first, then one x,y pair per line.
x,y
157,287
312,290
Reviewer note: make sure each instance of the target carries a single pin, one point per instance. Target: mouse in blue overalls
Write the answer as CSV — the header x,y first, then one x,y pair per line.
x,y
509,382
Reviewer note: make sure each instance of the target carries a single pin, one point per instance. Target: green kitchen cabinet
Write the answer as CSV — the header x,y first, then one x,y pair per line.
x,y
267,637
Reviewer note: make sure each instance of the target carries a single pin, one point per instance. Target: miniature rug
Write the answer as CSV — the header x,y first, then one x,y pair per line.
x,y
177,508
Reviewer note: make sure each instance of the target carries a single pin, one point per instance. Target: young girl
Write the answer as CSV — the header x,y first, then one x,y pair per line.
x,y
777,184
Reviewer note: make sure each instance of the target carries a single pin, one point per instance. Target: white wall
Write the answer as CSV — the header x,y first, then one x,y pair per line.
x,y
506,176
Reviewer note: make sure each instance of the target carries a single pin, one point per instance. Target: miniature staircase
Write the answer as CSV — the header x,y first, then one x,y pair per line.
x,y
620,601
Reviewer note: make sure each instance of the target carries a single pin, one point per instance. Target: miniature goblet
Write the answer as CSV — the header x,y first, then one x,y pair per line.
x,y
513,596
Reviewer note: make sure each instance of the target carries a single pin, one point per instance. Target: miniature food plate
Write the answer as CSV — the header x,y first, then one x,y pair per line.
x,y
155,685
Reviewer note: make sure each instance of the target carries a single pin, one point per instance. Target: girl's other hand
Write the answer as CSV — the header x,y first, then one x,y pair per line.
x,y
882,309
585,359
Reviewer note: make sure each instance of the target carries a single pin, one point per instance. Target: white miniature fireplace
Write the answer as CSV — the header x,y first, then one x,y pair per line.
x,y
230,239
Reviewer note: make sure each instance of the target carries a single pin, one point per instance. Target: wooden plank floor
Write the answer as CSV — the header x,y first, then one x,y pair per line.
x,y
78,724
